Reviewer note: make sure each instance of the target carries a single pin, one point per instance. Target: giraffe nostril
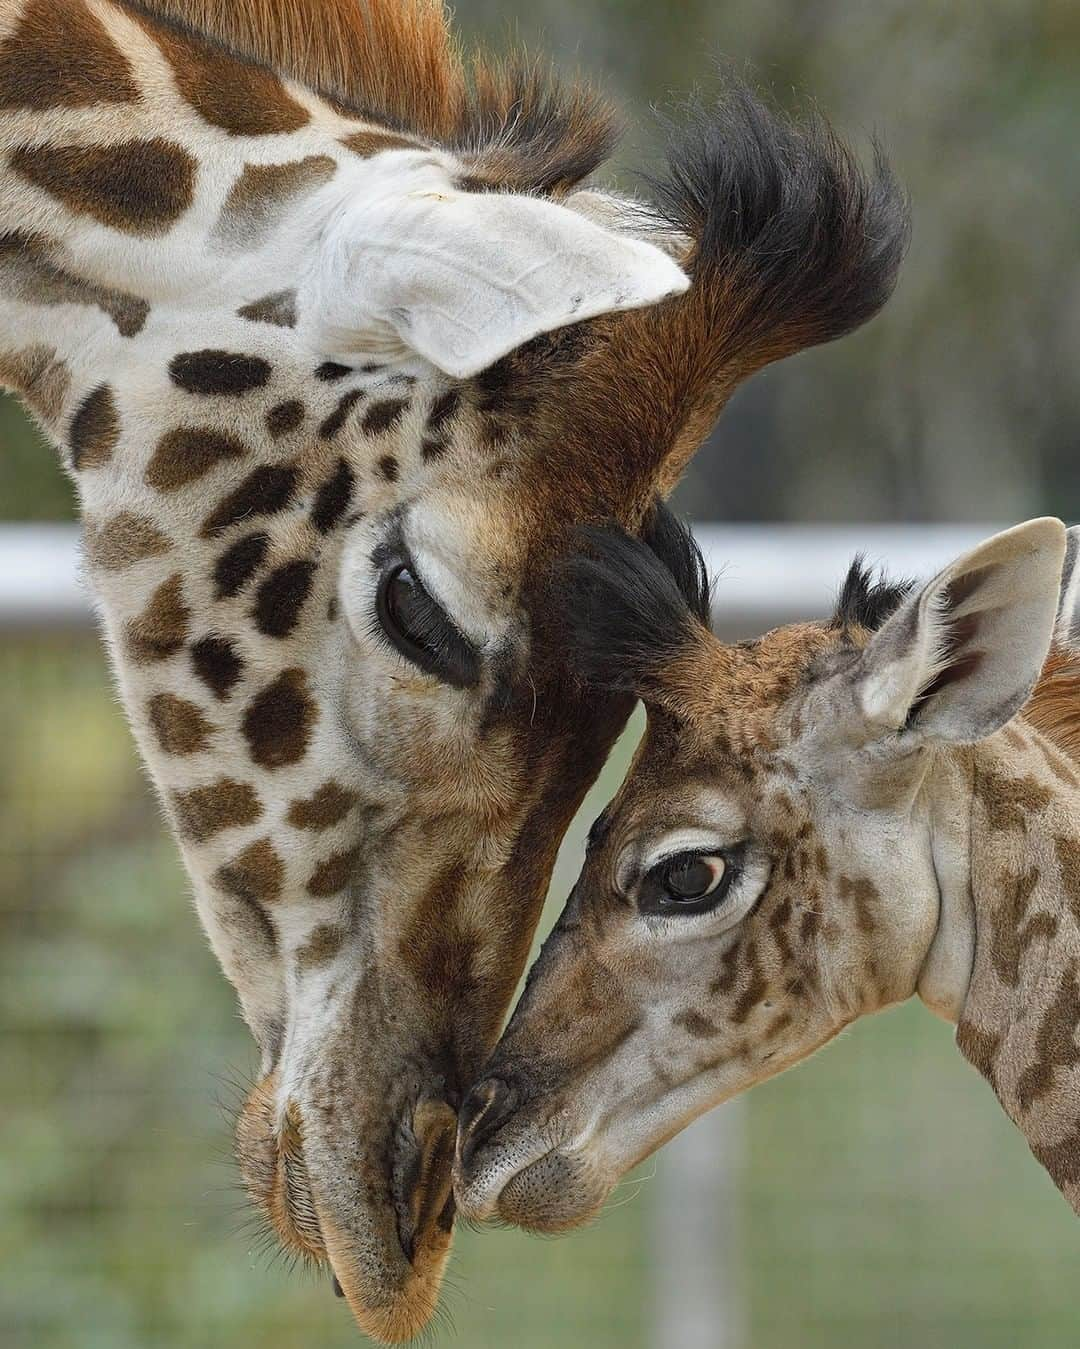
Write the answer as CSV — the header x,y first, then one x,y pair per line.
x,y
487,1108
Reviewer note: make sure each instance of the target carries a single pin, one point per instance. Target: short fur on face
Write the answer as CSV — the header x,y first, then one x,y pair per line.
x,y
816,825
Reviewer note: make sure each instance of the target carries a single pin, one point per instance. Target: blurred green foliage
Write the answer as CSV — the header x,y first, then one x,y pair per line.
x,y
884,1200
960,401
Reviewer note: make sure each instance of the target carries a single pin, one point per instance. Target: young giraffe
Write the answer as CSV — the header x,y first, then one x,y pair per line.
x,y
817,825
293,298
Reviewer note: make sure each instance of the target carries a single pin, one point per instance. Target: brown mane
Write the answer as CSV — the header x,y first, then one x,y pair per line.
x,y
397,61
1054,705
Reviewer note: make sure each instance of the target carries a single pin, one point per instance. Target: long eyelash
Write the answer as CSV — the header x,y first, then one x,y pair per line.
x,y
436,631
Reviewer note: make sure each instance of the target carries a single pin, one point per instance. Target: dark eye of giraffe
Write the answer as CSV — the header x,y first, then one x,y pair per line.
x,y
688,882
420,629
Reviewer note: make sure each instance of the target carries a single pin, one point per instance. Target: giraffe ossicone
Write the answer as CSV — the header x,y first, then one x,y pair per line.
x,y
338,352
816,826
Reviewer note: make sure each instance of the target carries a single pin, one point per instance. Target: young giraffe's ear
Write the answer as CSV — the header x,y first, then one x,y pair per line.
x,y
960,657
462,278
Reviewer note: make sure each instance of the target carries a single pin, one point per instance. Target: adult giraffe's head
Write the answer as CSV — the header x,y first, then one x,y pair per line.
x,y
340,353
817,824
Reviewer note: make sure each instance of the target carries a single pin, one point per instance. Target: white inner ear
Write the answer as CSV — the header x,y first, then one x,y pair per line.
x,y
993,609
462,278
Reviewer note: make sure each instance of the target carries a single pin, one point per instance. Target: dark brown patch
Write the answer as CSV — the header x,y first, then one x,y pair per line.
x,y
279,721
778,1026
62,61
700,1027
322,946
1062,1160
388,468
329,806
122,540
331,371
95,429
778,924
808,925
266,491
368,143
187,454
1055,1041
755,989
278,309
432,449
31,274
384,416
162,628
979,1047
38,377
333,875
218,664
1067,849
862,894
255,876
138,187
262,196
281,597
238,564
179,725
1010,937
239,97
218,373
224,804
442,412
285,418
333,498
1008,801
337,419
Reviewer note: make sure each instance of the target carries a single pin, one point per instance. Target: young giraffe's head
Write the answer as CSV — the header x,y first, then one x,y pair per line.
x,y
339,352
792,848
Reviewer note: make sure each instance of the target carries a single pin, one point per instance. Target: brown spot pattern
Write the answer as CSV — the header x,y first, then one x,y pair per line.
x,y
266,491
340,415
333,875
188,453
368,143
215,373
1010,937
51,61
700,1027
384,416
218,664
284,418
1067,849
122,540
224,804
240,97
1055,1041
256,876
178,725
95,429
238,564
279,721
862,894
333,498
262,195
30,274
281,597
979,1047
327,807
323,945
38,377
162,628
278,309
138,187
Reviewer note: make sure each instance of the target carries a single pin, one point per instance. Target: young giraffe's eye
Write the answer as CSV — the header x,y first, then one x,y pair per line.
x,y
688,882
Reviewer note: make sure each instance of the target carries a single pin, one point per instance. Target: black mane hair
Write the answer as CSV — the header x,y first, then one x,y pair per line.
x,y
866,601
631,604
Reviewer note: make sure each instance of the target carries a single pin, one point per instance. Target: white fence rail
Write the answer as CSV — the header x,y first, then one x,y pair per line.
x,y
769,574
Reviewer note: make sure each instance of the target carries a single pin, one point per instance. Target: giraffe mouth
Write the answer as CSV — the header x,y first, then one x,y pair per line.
x,y
385,1258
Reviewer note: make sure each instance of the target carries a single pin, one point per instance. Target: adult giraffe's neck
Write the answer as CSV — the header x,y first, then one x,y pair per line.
x,y
148,181
1020,1020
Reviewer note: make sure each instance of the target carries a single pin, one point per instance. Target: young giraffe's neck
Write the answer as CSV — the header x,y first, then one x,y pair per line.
x,y
1005,963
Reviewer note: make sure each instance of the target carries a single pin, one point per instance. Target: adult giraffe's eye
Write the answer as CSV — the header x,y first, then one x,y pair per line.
x,y
688,882
421,630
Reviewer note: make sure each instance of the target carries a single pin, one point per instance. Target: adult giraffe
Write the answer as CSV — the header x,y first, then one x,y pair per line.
x,y
336,354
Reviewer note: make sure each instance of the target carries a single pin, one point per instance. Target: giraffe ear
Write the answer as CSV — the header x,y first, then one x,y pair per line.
x,y
1067,628
462,278
960,657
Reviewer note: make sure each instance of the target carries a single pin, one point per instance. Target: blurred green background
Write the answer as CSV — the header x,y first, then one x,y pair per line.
x,y
881,1198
